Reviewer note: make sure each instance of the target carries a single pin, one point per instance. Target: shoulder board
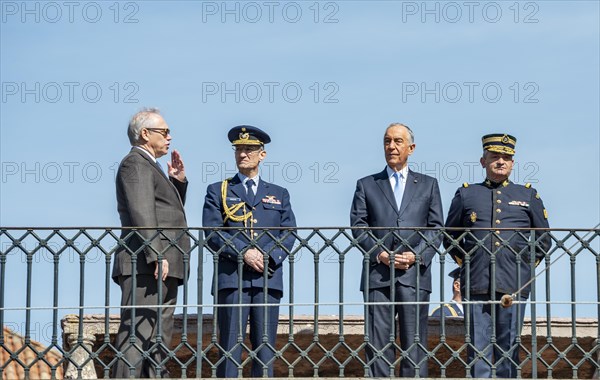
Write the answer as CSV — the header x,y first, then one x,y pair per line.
x,y
527,185
465,184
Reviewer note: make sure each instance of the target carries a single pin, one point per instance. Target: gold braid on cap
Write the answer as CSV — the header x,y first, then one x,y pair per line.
x,y
229,212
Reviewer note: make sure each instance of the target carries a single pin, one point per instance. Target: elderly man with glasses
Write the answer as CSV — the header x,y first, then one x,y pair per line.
x,y
249,270
149,266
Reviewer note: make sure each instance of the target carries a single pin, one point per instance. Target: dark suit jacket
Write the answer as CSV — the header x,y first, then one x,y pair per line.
x,y
374,205
271,208
146,197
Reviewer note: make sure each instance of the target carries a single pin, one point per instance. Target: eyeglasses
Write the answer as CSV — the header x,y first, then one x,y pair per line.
x,y
249,150
163,131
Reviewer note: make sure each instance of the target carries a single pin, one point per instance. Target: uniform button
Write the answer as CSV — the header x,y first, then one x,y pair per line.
x,y
254,220
256,234
498,201
497,244
498,210
498,192
497,221
498,232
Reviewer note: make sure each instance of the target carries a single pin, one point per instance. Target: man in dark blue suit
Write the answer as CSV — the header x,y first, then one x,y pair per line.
x,y
495,259
453,308
396,269
250,258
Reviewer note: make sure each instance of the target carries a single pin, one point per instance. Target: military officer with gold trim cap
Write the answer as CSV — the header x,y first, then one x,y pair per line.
x,y
498,260
250,256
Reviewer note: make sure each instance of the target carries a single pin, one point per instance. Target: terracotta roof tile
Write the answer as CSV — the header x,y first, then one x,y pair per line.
x,y
28,356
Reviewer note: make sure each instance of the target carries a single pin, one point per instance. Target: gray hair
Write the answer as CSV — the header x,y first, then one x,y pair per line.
x,y
145,118
411,134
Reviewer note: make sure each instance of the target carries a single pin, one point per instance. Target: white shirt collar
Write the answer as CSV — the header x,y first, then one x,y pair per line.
x,y
404,172
148,153
460,306
245,179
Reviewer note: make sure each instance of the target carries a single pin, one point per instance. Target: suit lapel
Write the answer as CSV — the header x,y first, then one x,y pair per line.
x,y
261,192
166,178
237,188
412,183
383,182
159,170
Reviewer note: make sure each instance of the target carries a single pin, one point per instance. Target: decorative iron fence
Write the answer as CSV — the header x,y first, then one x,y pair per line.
x,y
53,278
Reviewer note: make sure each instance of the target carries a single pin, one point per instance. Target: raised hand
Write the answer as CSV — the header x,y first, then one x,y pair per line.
x,y
176,167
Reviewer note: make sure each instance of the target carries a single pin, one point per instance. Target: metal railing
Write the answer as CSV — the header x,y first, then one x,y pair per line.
x,y
61,277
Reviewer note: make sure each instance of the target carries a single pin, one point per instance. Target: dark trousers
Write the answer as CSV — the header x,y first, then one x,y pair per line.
x,y
140,333
232,323
381,327
506,325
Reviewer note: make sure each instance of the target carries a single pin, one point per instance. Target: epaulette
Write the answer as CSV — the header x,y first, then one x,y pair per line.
x,y
465,184
527,185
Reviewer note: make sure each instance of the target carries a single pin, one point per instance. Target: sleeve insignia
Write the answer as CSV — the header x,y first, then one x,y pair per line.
x,y
473,217
527,185
545,214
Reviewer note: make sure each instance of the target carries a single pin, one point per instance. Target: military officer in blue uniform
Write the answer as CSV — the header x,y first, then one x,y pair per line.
x,y
497,259
453,308
250,258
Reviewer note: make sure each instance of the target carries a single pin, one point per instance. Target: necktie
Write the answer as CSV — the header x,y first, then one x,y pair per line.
x,y
398,188
250,192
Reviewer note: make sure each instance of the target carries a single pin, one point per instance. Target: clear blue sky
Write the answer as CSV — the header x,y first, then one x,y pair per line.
x,y
324,79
